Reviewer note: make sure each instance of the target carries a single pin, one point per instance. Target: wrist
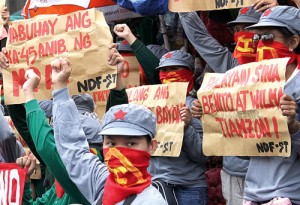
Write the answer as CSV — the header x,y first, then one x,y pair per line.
x,y
29,95
59,85
119,84
130,39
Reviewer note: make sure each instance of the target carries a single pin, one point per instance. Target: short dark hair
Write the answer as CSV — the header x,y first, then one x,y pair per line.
x,y
284,31
148,139
288,34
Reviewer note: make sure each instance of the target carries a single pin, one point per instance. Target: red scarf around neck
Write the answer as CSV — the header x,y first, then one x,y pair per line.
x,y
128,173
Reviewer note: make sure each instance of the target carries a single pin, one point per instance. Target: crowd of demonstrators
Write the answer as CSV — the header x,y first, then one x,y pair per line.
x,y
220,59
178,186
278,28
111,163
127,131
63,191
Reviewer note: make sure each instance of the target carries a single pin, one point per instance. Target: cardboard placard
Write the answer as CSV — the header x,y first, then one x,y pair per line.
x,y
165,101
83,37
241,112
12,182
116,13
205,5
130,77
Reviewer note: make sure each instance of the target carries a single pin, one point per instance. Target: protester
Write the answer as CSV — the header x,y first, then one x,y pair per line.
x,y
146,58
178,186
90,174
43,139
140,51
220,59
279,29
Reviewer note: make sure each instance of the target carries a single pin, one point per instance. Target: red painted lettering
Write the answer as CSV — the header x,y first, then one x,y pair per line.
x,y
77,21
48,78
125,70
169,115
220,120
18,80
83,42
266,73
140,94
162,92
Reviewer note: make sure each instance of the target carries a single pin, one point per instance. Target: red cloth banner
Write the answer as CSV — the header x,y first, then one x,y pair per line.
x,y
12,182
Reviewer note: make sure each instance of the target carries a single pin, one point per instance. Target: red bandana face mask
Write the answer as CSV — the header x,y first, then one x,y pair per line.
x,y
275,50
244,51
183,75
128,173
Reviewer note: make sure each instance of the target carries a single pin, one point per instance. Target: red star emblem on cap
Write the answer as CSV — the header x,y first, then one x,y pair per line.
x,y
244,10
168,55
120,115
267,12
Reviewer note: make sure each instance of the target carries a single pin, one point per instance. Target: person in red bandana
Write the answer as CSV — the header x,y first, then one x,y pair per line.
x,y
277,35
220,59
128,132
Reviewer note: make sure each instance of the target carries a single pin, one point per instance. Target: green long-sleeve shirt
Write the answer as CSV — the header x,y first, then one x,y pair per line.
x,y
40,134
49,198
147,60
